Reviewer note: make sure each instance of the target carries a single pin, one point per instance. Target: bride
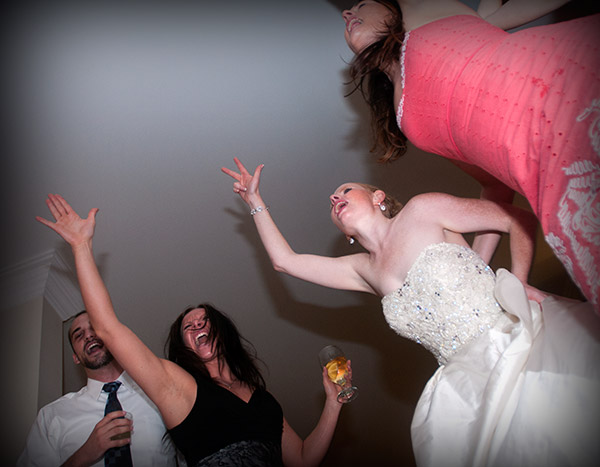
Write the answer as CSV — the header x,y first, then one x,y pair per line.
x,y
518,381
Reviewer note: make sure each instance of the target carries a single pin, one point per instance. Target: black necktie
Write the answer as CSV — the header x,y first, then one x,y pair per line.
x,y
120,456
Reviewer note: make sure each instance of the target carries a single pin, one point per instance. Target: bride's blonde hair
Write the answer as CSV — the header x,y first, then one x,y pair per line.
x,y
392,205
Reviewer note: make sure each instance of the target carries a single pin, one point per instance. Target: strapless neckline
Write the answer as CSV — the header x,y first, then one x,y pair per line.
x,y
446,300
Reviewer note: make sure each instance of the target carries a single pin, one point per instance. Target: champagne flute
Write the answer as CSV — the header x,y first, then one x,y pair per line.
x,y
332,358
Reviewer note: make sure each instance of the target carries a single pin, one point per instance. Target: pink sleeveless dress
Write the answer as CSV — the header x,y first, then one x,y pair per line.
x,y
523,106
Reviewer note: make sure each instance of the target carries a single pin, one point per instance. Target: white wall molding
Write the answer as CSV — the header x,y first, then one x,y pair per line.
x,y
47,275
62,290
25,281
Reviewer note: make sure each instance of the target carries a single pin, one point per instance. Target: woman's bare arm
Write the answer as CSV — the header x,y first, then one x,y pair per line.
x,y
171,388
311,451
515,13
338,273
473,215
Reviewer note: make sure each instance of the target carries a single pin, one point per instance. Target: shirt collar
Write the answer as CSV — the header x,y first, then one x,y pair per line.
x,y
94,387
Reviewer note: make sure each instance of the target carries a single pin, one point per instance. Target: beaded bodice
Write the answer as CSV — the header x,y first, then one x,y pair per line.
x,y
446,301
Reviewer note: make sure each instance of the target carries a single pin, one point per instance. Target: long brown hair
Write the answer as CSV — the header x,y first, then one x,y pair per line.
x,y
377,89
230,345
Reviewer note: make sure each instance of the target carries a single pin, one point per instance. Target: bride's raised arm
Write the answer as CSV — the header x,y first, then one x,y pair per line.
x,y
337,273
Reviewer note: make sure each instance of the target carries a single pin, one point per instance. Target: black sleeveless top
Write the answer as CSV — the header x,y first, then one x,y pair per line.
x,y
219,419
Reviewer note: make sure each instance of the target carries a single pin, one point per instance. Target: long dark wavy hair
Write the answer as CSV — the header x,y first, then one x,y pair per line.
x,y
377,89
230,346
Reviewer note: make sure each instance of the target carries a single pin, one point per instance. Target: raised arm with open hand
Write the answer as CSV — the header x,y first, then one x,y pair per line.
x,y
158,378
72,228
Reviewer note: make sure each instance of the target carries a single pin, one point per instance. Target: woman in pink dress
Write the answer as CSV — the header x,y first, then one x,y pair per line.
x,y
518,111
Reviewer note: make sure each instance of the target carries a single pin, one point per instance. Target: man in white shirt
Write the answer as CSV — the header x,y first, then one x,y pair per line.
x,y
73,430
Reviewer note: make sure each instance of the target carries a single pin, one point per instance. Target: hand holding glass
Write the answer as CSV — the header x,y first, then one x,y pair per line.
x,y
332,358
127,434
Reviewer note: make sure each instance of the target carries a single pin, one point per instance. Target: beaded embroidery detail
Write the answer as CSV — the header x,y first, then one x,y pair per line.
x,y
446,301
400,109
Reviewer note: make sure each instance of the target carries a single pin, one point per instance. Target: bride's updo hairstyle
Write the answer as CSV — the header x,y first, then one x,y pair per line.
x,y
392,205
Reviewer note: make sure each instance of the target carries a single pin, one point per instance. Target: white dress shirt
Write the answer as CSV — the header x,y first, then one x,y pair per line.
x,y
64,425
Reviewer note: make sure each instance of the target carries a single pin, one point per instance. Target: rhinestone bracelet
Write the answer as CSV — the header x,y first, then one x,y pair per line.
x,y
258,209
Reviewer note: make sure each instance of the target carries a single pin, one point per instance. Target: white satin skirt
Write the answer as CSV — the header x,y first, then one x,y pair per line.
x,y
526,393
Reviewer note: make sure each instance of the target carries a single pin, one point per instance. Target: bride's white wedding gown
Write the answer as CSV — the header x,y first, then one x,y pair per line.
x,y
518,383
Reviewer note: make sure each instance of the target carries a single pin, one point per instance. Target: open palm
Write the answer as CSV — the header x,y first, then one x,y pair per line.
x,y
72,228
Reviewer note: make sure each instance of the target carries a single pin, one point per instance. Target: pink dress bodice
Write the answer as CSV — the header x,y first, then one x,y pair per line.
x,y
524,107
506,102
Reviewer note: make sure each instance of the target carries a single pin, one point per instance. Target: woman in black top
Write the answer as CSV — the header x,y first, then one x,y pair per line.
x,y
240,428
211,396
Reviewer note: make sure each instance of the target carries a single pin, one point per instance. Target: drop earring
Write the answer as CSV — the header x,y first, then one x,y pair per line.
x,y
351,241
382,207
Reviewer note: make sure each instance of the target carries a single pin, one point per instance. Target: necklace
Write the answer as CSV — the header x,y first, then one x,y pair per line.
x,y
223,383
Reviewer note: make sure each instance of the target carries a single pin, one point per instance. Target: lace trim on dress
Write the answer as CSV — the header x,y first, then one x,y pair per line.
x,y
400,109
245,454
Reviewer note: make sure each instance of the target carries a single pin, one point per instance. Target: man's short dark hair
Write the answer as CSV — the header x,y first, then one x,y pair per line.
x,y
70,320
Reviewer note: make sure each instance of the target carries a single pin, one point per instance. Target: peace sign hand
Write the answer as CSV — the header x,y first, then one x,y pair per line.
x,y
246,185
